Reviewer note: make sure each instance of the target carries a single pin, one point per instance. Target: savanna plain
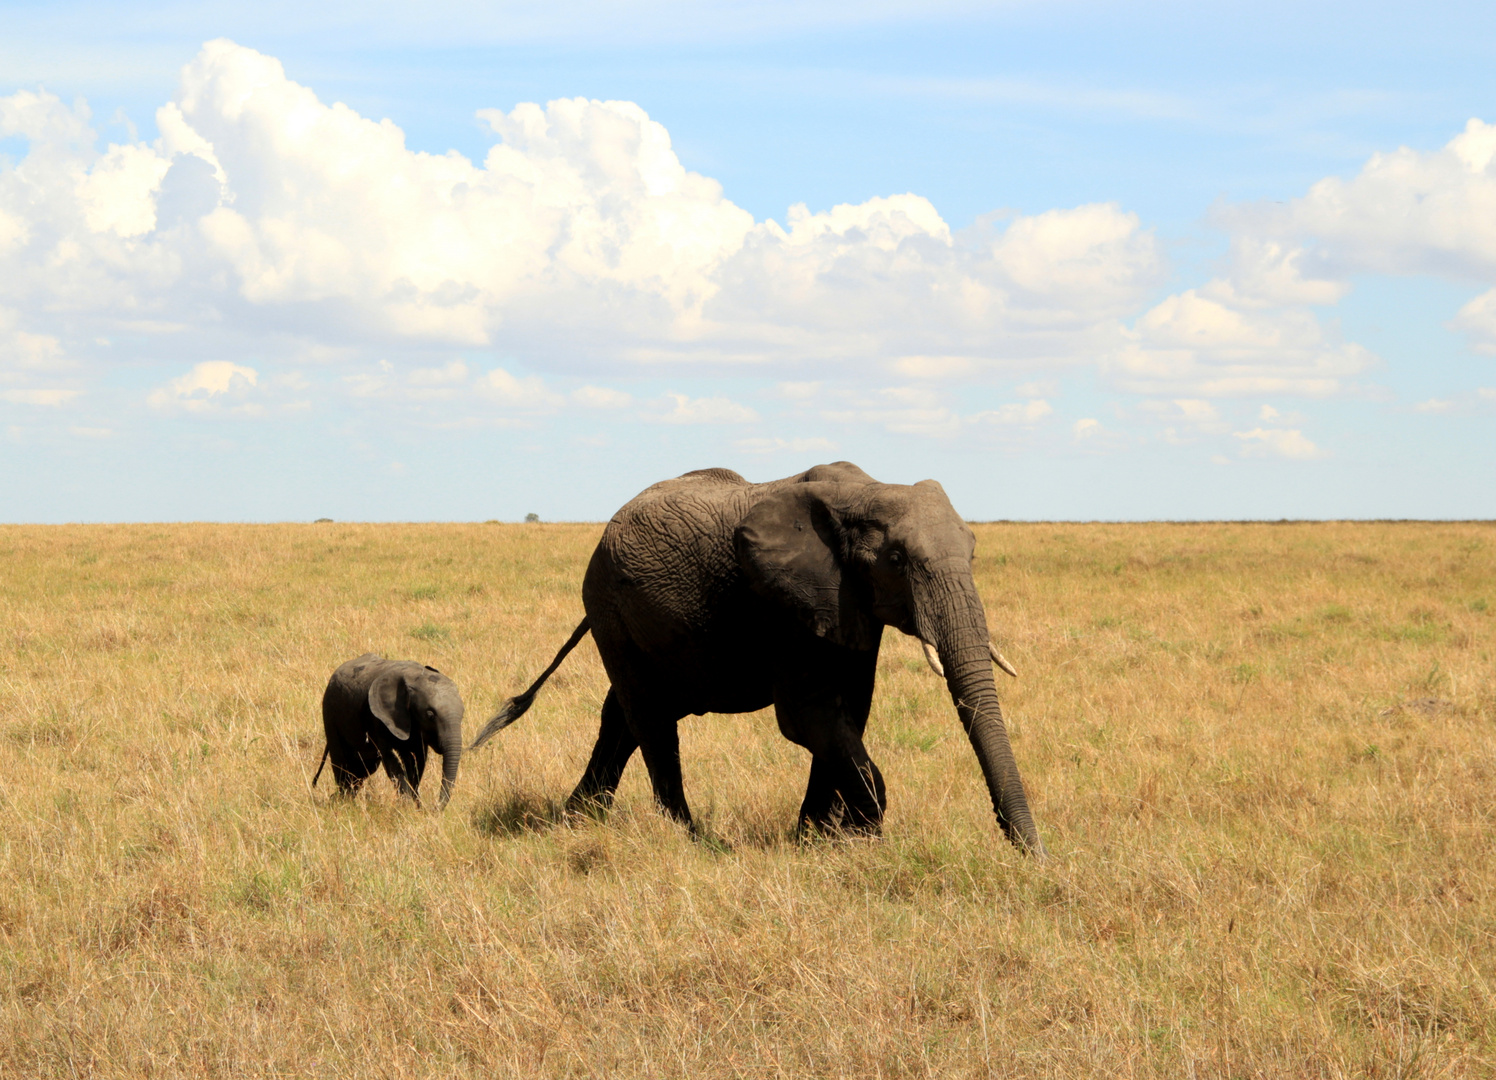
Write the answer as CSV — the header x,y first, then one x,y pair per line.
x,y
1263,757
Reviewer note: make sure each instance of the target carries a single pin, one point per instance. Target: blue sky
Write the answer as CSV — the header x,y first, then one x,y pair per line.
x,y
1074,260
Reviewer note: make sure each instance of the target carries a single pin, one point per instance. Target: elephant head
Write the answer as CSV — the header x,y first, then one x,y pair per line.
x,y
848,559
409,699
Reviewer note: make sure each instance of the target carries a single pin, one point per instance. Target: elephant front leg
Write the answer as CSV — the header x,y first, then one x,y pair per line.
x,y
822,809
845,792
821,701
404,766
865,816
826,811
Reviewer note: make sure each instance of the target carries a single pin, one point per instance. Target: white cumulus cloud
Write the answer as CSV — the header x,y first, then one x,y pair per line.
x,y
454,373
1460,403
681,409
38,397
1278,442
1209,346
1477,321
264,213
23,350
1254,330
118,194
1191,412
266,221
814,445
529,393
1029,412
1405,212
206,386
903,410
601,397
32,366
888,281
927,411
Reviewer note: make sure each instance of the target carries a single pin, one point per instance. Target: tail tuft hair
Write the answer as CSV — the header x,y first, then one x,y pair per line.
x,y
515,707
508,713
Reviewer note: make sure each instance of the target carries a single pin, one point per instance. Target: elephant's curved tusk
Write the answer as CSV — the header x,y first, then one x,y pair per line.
x,y
934,658
1000,660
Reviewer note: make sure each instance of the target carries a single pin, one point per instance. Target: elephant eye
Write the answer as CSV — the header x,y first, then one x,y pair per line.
x,y
896,558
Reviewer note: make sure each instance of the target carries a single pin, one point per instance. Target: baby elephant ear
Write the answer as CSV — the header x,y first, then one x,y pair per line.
x,y
388,699
790,547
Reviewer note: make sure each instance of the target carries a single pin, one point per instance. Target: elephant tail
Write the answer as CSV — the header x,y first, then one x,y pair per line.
x,y
317,777
515,707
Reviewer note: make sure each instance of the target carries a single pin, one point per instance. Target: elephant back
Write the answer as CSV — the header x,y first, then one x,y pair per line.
x,y
353,676
683,528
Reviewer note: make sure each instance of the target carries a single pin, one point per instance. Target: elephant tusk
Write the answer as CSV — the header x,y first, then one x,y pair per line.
x,y
1000,660
934,658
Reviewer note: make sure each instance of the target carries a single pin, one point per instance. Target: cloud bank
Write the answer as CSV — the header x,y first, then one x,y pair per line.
x,y
297,236
580,238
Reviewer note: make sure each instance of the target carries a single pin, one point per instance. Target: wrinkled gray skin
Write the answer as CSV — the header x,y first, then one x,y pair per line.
x,y
376,710
711,594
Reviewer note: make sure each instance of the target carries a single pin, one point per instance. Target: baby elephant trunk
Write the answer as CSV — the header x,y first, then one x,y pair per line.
x,y
451,751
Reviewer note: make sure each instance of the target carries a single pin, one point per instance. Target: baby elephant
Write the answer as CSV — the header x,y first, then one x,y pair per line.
x,y
390,710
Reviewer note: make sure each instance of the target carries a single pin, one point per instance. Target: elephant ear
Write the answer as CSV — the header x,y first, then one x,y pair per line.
x,y
389,698
791,547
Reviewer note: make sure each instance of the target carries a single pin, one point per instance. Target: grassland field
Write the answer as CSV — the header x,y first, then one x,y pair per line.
x,y
1262,756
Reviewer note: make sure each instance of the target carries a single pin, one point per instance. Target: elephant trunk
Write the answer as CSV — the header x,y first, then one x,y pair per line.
x,y
451,750
951,617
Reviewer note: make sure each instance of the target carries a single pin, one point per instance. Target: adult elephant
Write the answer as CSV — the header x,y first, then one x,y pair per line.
x,y
710,594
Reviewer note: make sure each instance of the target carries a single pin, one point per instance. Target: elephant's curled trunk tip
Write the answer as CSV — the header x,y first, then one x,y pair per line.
x,y
1031,846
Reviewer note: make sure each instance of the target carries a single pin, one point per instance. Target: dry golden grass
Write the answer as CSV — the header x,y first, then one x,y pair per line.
x,y
1263,756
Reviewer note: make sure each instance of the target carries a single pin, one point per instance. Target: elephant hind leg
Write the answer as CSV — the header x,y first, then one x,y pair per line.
x,y
660,744
351,765
610,755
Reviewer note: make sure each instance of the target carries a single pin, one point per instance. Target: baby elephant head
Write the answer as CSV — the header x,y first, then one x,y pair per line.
x,y
421,702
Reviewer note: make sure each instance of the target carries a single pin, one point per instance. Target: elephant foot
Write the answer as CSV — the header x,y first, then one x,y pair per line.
x,y
824,823
810,833
592,807
681,817
860,825
840,822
